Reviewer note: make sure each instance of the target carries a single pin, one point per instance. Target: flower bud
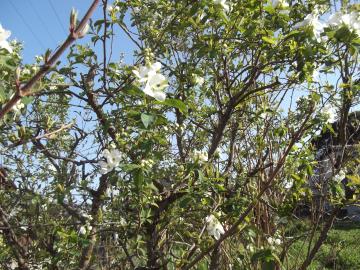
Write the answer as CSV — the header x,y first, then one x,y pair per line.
x,y
17,74
84,31
47,55
73,19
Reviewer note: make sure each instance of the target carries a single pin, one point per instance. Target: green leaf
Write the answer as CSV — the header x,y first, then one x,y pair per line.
x,y
264,255
202,266
2,94
267,258
27,100
130,167
342,34
5,60
296,177
269,9
354,180
271,265
177,103
138,178
185,202
147,119
270,40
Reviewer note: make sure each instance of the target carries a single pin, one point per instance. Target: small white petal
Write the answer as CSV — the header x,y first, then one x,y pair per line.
x,y
156,66
159,95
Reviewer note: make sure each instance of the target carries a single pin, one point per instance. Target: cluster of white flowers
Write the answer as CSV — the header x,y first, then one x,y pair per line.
x,y
274,241
281,5
330,113
85,229
250,248
350,20
214,227
312,20
200,156
13,264
113,158
18,106
25,71
147,163
181,127
198,80
153,80
4,35
340,176
316,75
288,183
223,4
112,9
336,20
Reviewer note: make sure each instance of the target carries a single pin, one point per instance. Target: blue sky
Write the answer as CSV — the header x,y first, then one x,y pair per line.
x,y
42,24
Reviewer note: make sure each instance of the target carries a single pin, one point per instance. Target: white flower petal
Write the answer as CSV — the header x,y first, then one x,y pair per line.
x,y
216,234
159,95
156,66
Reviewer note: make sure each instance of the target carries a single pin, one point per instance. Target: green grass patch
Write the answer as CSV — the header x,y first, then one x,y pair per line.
x,y
341,250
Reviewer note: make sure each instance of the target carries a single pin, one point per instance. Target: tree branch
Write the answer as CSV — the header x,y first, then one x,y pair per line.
x,y
25,90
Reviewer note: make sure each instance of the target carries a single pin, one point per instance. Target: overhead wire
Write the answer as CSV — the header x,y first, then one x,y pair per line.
x,y
41,20
57,17
27,25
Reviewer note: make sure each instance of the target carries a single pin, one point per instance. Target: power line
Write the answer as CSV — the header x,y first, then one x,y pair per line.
x,y
27,25
57,17
42,21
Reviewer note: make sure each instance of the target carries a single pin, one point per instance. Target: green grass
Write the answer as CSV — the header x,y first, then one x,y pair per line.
x,y
341,250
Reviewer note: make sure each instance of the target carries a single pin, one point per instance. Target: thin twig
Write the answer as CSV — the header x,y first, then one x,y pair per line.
x,y
25,90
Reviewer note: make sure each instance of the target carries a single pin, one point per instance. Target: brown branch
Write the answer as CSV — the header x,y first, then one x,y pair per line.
x,y
98,197
10,237
25,90
45,135
250,207
321,239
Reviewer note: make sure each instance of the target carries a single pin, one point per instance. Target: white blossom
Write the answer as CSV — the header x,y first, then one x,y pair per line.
x,y
153,80
250,248
18,106
4,35
116,237
316,76
198,79
278,241
14,264
82,230
111,9
112,157
147,163
223,4
350,20
278,3
330,113
288,184
214,227
334,19
274,241
282,5
26,71
200,156
313,21
85,229
340,176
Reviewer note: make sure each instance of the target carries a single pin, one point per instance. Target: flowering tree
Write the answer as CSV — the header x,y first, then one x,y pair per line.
x,y
196,155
